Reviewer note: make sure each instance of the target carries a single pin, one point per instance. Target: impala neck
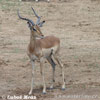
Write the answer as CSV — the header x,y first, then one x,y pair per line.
x,y
32,41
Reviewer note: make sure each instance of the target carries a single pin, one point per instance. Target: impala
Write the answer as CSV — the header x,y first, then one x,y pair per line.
x,y
41,48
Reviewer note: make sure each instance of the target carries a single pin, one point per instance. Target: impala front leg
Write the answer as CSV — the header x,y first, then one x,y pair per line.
x,y
32,62
42,73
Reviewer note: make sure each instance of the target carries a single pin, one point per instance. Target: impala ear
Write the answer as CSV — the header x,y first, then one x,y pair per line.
x,y
41,23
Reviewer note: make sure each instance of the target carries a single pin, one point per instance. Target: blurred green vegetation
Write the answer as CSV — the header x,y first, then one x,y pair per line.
x,y
14,5
9,4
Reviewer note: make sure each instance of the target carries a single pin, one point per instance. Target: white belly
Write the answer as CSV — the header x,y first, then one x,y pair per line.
x,y
47,52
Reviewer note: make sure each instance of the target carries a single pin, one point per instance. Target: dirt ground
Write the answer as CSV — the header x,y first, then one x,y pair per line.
x,y
77,24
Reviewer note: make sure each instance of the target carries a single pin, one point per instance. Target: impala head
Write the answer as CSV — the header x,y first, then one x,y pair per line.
x,y
35,28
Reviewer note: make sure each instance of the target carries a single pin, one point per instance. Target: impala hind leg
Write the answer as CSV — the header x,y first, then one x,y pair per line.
x,y
62,70
32,62
50,60
42,73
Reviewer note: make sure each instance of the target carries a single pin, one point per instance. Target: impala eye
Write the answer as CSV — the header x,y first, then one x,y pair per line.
x,y
34,29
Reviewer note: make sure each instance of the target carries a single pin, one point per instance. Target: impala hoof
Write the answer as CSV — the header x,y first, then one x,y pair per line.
x,y
30,93
51,87
44,92
63,89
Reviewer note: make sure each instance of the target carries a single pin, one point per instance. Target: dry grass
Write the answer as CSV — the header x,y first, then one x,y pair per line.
x,y
75,22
